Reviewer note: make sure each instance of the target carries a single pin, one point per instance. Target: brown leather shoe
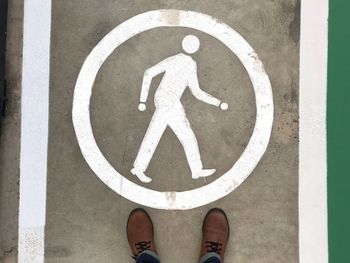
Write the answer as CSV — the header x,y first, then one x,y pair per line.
x,y
215,233
139,231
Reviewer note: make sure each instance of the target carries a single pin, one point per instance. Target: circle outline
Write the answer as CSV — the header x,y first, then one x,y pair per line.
x,y
240,170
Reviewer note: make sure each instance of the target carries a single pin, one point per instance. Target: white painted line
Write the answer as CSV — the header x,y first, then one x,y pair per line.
x,y
313,230
34,130
244,165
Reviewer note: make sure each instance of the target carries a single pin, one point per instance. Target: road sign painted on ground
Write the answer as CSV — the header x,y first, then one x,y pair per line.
x,y
109,62
180,73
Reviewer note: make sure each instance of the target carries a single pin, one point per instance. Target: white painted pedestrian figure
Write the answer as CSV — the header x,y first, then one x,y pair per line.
x,y
180,73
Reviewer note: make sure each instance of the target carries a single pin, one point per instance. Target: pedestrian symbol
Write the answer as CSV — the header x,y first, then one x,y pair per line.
x,y
180,73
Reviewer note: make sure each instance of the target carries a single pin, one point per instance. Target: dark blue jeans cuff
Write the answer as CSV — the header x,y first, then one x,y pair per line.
x,y
210,258
148,256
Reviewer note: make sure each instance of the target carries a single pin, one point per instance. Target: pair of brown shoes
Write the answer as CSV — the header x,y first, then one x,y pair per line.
x,y
215,232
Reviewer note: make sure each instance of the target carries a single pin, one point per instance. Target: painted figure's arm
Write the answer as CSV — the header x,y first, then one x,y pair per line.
x,y
200,94
147,79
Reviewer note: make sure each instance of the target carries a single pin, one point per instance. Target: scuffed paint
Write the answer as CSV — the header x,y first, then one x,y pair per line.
x,y
31,245
172,17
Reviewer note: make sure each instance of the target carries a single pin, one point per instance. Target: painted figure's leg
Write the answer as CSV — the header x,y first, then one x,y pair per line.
x,y
182,128
149,144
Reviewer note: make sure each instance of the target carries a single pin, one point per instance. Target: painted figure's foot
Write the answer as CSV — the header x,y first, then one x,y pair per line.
x,y
139,231
203,173
215,234
141,175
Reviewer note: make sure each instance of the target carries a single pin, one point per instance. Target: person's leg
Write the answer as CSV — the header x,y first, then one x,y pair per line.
x,y
182,129
148,146
140,233
215,235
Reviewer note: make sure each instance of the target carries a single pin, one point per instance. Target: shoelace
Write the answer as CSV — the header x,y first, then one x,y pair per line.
x,y
213,246
141,246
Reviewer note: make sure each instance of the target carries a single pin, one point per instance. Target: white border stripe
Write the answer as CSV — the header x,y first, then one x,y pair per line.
x,y
34,130
313,230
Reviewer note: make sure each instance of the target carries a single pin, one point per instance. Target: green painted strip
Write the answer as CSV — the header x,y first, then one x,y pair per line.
x,y
338,128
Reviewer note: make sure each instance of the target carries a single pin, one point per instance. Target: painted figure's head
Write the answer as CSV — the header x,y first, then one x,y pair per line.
x,y
190,44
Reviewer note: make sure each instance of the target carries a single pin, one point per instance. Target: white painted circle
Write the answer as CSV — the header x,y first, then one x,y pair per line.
x,y
250,156
142,107
224,106
190,44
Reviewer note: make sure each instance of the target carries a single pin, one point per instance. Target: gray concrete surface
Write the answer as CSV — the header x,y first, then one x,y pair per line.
x,y
10,137
86,220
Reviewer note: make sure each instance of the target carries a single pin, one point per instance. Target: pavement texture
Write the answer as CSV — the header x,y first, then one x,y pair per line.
x,y
85,219
10,137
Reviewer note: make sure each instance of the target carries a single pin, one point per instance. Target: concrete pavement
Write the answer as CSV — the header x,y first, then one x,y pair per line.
x,y
85,219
